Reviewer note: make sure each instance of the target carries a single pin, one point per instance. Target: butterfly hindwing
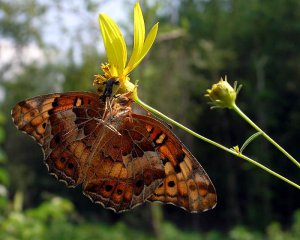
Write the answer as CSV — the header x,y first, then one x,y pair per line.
x,y
186,184
130,171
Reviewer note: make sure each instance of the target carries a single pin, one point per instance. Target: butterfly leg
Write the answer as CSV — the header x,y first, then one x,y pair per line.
x,y
109,126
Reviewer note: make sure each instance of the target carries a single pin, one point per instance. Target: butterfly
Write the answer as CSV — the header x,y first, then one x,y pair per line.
x,y
120,158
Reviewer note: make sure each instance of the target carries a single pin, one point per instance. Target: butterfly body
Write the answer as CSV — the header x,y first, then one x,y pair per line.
x,y
120,158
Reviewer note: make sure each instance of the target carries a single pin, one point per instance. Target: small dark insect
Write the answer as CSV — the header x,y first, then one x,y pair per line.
x,y
109,84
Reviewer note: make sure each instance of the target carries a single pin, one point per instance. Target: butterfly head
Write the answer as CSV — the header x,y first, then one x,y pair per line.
x,y
122,103
124,99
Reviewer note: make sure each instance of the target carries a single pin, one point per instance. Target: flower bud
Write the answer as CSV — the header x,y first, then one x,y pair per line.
x,y
222,94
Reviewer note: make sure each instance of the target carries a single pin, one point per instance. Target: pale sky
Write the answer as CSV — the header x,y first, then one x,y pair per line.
x,y
73,22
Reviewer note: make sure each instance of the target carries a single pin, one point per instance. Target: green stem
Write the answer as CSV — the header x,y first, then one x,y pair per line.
x,y
159,114
244,116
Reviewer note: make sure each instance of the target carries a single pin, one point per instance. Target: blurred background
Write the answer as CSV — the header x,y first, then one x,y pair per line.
x,y
55,46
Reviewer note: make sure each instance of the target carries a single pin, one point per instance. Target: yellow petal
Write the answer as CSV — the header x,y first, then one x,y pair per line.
x,y
114,44
146,47
139,35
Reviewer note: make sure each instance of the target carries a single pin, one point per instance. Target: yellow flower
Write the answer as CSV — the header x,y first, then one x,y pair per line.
x,y
222,94
116,51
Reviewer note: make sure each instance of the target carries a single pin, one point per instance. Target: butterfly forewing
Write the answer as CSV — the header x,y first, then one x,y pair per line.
x,y
54,121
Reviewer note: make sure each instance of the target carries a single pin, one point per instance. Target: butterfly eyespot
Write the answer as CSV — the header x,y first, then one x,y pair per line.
x,y
44,125
139,183
119,191
177,169
108,188
57,138
180,158
171,184
70,165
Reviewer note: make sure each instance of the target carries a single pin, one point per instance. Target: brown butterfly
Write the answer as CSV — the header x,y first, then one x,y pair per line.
x,y
122,159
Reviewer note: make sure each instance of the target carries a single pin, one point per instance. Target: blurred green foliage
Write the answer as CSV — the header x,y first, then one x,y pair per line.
x,y
56,219
254,42
4,176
